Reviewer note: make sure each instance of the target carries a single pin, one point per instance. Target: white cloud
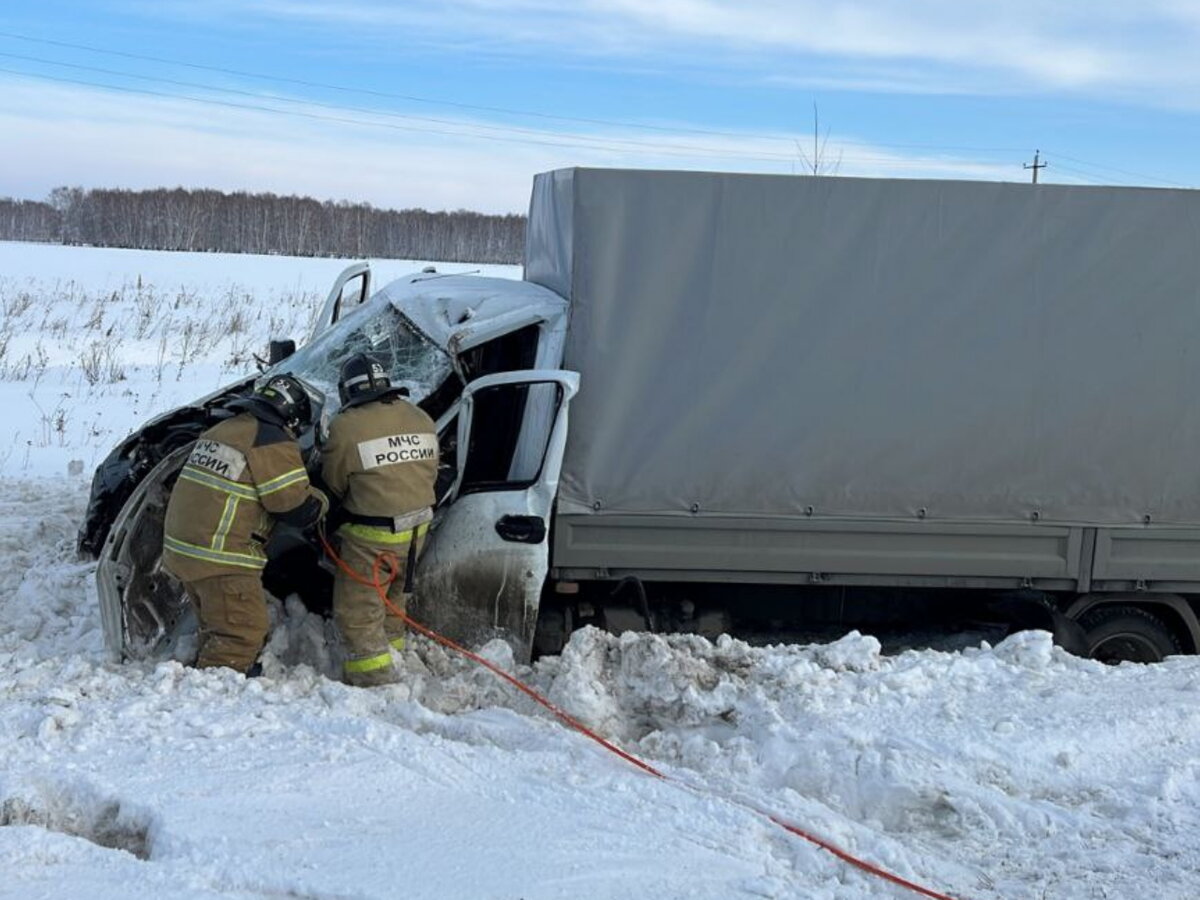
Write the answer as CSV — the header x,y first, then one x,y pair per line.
x,y
60,134
1132,50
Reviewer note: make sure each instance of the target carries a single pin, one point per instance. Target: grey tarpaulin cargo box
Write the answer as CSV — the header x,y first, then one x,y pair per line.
x,y
875,381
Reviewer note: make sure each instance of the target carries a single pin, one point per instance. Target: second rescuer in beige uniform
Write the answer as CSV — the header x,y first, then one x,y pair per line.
x,y
381,460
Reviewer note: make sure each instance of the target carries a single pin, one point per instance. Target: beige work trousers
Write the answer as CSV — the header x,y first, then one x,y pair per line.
x,y
368,628
232,611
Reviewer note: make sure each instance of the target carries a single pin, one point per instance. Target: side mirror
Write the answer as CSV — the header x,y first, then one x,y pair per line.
x,y
280,350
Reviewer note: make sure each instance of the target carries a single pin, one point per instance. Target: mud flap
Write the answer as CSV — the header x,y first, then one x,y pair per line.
x,y
488,553
1024,613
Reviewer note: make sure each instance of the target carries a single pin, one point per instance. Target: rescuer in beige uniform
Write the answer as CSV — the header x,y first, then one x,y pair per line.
x,y
381,460
244,473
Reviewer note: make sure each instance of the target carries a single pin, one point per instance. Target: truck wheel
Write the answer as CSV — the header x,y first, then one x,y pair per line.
x,y
1118,633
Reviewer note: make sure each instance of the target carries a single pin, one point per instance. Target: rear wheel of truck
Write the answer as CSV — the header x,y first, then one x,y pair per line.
x,y
1118,633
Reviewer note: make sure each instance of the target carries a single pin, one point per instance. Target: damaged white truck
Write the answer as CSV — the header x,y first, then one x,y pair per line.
x,y
789,399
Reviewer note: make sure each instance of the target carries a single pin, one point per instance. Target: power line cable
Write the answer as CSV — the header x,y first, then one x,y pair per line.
x,y
376,112
1138,175
1079,174
700,153
408,128
480,107
533,114
578,140
373,93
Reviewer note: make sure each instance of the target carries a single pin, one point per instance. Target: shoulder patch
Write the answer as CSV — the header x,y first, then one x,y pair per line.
x,y
397,448
270,433
218,458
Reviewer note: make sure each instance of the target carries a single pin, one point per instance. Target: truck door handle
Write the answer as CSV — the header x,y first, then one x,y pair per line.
x,y
522,529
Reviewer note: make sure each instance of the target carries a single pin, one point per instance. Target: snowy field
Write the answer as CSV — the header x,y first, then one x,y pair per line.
x,y
95,341
1012,771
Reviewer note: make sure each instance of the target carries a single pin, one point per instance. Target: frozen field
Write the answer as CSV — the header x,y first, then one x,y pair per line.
x,y
1013,771
94,341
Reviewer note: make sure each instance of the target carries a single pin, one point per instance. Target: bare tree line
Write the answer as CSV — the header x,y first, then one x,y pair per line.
x,y
208,220
28,220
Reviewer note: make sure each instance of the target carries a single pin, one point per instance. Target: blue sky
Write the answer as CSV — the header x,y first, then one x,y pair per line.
x,y
456,104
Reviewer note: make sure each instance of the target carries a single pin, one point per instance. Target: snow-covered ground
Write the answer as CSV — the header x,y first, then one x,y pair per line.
x,y
1013,771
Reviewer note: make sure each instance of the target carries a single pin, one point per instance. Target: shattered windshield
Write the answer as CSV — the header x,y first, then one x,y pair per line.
x,y
382,331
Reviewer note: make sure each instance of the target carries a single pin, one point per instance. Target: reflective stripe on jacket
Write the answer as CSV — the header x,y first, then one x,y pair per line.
x,y
374,535
239,473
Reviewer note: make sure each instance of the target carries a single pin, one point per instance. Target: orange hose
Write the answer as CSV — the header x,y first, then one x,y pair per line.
x,y
387,560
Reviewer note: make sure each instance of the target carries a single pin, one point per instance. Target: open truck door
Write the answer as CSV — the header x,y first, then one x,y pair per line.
x,y
350,289
488,553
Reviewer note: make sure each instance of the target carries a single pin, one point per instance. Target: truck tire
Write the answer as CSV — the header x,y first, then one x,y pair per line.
x,y
1118,633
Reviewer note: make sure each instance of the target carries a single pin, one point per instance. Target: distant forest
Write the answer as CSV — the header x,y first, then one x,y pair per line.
x,y
207,220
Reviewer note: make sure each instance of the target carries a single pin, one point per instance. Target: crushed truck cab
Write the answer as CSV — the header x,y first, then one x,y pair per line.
x,y
481,356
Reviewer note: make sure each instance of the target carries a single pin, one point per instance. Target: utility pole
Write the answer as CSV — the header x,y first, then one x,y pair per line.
x,y
1036,165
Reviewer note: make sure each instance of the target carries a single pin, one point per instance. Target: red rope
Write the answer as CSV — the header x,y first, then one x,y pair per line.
x,y
847,857
387,560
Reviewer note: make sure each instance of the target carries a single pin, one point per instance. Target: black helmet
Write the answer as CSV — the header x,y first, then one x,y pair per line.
x,y
363,379
282,399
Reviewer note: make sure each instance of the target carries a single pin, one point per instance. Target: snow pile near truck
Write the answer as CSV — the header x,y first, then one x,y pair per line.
x,y
1012,771
1035,770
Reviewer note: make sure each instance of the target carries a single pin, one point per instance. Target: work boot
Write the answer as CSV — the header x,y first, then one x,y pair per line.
x,y
373,677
